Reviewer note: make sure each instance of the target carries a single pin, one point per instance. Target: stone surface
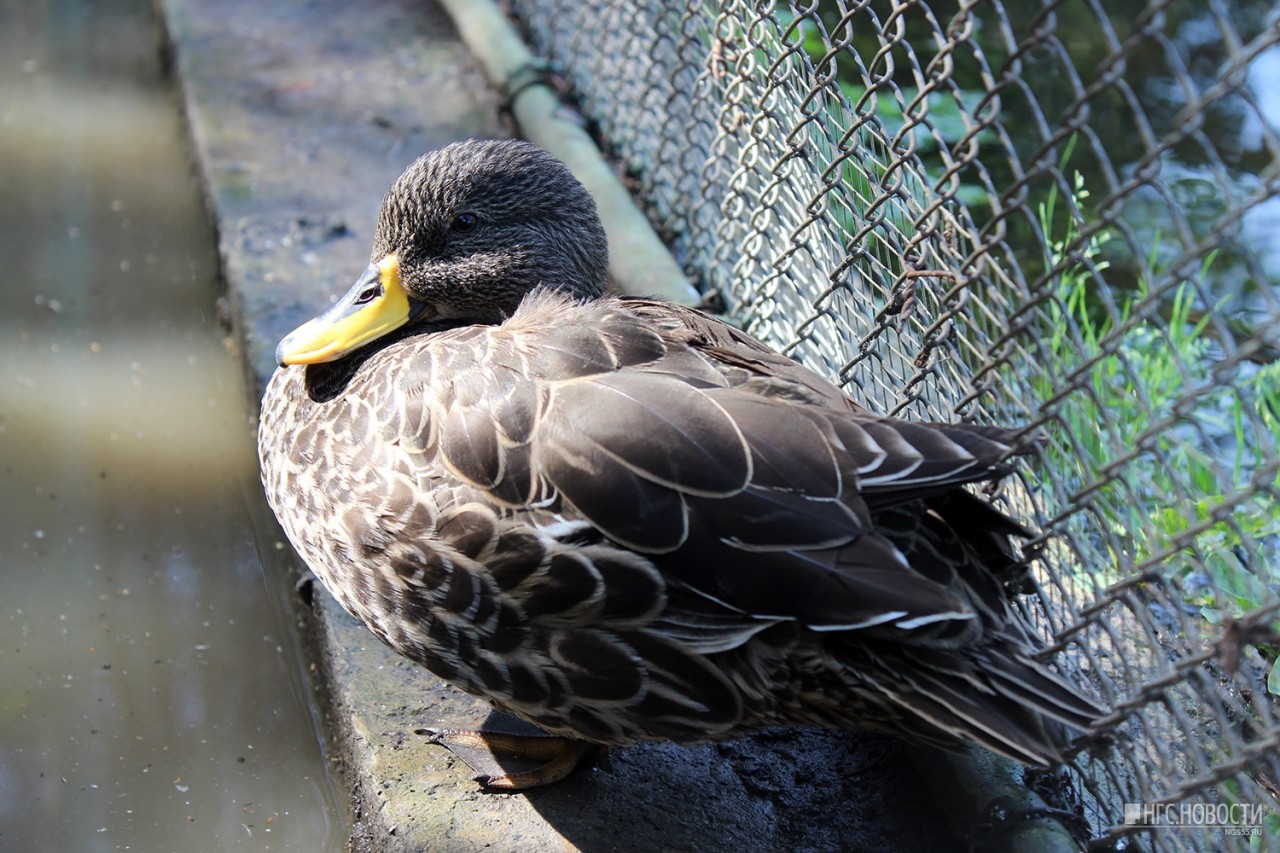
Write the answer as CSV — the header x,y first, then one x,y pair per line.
x,y
302,114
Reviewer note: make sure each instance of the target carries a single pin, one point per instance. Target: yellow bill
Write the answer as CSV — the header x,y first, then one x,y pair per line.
x,y
375,305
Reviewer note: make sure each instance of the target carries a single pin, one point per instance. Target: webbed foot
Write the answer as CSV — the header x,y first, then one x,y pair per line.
x,y
515,760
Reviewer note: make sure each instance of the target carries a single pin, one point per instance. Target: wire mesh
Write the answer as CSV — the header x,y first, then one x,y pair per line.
x,y
1055,214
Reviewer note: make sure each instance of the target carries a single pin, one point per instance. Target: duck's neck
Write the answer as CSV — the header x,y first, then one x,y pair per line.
x,y
327,381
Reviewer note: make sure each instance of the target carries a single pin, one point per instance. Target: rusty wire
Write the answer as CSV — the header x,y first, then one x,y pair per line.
x,y
1057,213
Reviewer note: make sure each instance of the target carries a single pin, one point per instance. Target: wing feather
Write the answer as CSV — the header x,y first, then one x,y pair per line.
x,y
741,473
661,428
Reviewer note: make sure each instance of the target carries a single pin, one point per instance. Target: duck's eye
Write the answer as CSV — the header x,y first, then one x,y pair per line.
x,y
464,222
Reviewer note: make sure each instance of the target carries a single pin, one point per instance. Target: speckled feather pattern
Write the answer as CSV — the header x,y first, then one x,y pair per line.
x,y
623,520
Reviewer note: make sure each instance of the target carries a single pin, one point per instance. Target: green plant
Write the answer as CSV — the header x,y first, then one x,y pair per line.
x,y
1195,493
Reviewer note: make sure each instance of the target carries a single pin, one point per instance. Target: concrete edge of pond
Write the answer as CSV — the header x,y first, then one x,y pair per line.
x,y
301,115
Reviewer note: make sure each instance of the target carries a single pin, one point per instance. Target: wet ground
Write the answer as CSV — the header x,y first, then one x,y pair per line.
x,y
153,694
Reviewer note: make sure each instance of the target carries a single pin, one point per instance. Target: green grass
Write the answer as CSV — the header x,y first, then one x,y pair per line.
x,y
1196,498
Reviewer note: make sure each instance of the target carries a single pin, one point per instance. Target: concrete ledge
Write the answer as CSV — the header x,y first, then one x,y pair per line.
x,y
302,114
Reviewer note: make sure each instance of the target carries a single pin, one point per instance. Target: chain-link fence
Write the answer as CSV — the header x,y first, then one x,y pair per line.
x,y
1058,214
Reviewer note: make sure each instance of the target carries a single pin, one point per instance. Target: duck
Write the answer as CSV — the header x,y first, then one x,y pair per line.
x,y
624,520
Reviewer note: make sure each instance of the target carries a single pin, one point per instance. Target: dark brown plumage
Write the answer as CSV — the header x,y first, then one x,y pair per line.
x,y
624,520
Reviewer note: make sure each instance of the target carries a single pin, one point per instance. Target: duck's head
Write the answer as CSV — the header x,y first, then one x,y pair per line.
x,y
463,235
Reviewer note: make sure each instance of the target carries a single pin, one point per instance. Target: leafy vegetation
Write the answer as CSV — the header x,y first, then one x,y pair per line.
x,y
1198,496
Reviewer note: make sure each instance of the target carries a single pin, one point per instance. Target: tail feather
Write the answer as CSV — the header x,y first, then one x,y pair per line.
x,y
1048,693
999,726
1002,700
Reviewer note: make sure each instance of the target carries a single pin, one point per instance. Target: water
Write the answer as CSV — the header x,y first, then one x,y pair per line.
x,y
152,693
